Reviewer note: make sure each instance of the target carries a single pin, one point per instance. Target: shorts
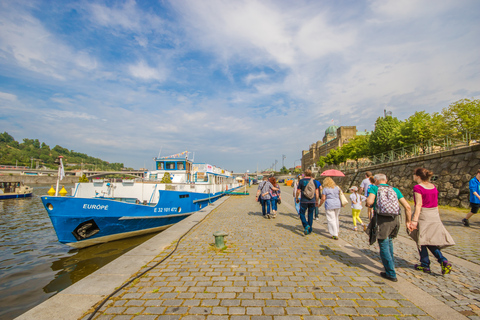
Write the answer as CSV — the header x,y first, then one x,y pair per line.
x,y
475,207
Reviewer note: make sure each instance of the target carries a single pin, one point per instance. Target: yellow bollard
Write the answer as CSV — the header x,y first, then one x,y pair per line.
x,y
63,192
51,192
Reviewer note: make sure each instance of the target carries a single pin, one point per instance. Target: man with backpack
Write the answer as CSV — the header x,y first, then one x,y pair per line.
x,y
385,200
308,192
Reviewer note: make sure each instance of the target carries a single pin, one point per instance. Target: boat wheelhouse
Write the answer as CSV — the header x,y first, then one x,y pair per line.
x,y
15,189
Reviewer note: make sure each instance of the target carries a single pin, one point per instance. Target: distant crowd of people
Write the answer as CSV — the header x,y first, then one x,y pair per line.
x,y
383,201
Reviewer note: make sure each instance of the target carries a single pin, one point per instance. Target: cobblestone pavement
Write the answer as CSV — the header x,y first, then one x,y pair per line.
x,y
459,290
269,271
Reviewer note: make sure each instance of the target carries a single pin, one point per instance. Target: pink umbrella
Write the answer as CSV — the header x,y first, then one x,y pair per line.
x,y
332,173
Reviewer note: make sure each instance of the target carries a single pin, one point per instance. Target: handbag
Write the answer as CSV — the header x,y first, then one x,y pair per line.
x,y
372,230
343,199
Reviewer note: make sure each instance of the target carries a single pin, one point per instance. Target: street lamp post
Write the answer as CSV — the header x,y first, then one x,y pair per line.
x,y
295,163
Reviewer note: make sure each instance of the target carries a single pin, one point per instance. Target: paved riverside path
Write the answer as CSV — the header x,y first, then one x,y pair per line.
x,y
271,271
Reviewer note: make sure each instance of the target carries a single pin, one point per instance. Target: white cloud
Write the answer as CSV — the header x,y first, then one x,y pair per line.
x,y
262,31
25,42
411,9
316,38
142,71
126,17
70,115
255,77
8,96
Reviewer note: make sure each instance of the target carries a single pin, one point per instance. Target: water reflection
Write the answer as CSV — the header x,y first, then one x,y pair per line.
x,y
33,264
85,261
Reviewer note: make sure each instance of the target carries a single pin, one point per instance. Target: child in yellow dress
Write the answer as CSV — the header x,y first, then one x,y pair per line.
x,y
357,199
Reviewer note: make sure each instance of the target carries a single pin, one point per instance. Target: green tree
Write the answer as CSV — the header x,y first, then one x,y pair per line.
x,y
6,138
356,148
463,116
284,170
335,156
166,178
322,161
385,136
83,178
417,129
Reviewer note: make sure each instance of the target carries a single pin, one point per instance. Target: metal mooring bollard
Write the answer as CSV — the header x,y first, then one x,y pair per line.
x,y
219,243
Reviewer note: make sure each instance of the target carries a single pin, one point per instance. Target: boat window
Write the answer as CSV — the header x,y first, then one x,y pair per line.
x,y
201,177
170,165
160,165
180,165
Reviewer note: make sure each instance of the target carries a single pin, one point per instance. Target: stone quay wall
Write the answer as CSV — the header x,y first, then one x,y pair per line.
x,y
37,179
452,171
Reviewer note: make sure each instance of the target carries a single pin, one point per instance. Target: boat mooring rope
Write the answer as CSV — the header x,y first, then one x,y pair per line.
x,y
144,272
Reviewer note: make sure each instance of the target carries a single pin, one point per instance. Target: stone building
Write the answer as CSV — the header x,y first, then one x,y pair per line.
x,y
334,137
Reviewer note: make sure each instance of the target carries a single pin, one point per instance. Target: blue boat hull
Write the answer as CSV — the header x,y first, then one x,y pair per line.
x,y
81,222
15,196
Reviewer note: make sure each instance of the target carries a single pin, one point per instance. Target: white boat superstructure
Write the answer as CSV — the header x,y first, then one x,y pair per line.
x,y
184,176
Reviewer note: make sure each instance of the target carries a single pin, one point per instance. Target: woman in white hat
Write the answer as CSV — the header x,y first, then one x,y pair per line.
x,y
357,199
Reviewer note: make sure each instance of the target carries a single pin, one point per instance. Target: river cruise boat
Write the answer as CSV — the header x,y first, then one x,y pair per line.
x,y
101,211
15,189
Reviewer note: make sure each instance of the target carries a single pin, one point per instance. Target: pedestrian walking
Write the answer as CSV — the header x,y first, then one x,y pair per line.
x,y
426,228
356,200
385,199
308,197
364,186
295,188
263,195
331,198
275,196
474,186
370,208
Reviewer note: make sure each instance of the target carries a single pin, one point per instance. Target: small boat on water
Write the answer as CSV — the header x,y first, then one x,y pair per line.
x,y
16,189
101,211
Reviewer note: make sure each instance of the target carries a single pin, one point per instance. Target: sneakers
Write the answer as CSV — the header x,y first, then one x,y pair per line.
x,y
420,268
307,230
466,223
354,228
446,267
385,276
334,237
274,215
316,218
365,227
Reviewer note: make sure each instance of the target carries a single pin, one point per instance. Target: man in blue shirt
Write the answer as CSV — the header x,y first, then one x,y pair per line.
x,y
307,203
388,226
474,186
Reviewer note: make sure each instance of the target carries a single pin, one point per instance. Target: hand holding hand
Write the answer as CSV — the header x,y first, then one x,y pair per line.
x,y
412,225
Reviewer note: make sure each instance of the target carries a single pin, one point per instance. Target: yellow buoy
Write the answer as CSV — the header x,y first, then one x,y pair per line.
x,y
51,191
63,192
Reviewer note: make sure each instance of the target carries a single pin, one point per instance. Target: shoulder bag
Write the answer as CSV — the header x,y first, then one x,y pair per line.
x,y
343,199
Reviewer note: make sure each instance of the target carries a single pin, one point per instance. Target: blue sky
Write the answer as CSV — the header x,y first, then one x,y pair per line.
x,y
240,83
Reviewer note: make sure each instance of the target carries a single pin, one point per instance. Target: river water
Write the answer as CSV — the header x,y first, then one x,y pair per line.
x,y
33,264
